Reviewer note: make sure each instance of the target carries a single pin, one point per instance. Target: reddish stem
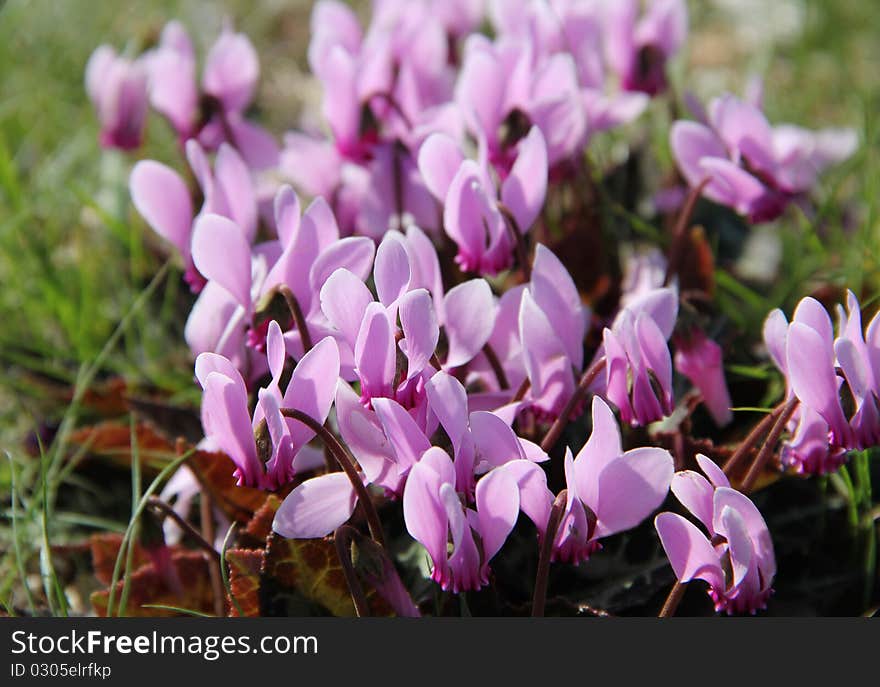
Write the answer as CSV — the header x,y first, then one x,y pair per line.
x,y
539,599
580,392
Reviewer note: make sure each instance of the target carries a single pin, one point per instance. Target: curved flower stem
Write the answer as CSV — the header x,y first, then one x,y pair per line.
x,y
580,392
679,233
298,318
539,599
206,519
496,365
763,426
519,241
767,449
393,104
397,170
347,463
164,510
522,391
676,594
342,538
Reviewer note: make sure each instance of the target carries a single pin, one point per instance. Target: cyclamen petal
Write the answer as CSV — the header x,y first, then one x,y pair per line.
x,y
344,301
312,388
523,191
162,199
316,507
815,383
466,332
221,253
233,178
494,440
375,353
691,555
498,504
420,330
439,161
391,271
631,487
231,70
408,441
424,514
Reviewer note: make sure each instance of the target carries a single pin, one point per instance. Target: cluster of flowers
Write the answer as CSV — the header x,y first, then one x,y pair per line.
x,y
437,135
816,365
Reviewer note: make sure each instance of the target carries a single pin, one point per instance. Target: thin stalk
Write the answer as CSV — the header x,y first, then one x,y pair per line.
x,y
519,241
496,365
752,438
679,232
342,538
206,519
767,449
539,599
347,463
849,493
676,594
522,391
298,318
135,496
225,575
16,542
164,510
126,539
580,392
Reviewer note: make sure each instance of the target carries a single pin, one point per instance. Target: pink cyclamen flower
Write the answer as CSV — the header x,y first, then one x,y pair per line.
x,y
638,367
804,351
573,30
734,554
504,89
435,515
552,325
858,355
214,112
117,88
481,440
609,490
227,421
162,198
639,48
700,360
369,328
476,215
752,167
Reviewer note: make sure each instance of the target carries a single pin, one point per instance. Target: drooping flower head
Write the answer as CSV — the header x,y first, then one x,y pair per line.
x,y
117,88
609,490
752,167
734,551
638,366
639,47
820,369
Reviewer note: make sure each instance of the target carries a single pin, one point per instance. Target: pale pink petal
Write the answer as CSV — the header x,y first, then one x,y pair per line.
x,y
162,198
420,330
344,300
391,270
466,333
222,253
691,555
631,488
316,507
524,189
